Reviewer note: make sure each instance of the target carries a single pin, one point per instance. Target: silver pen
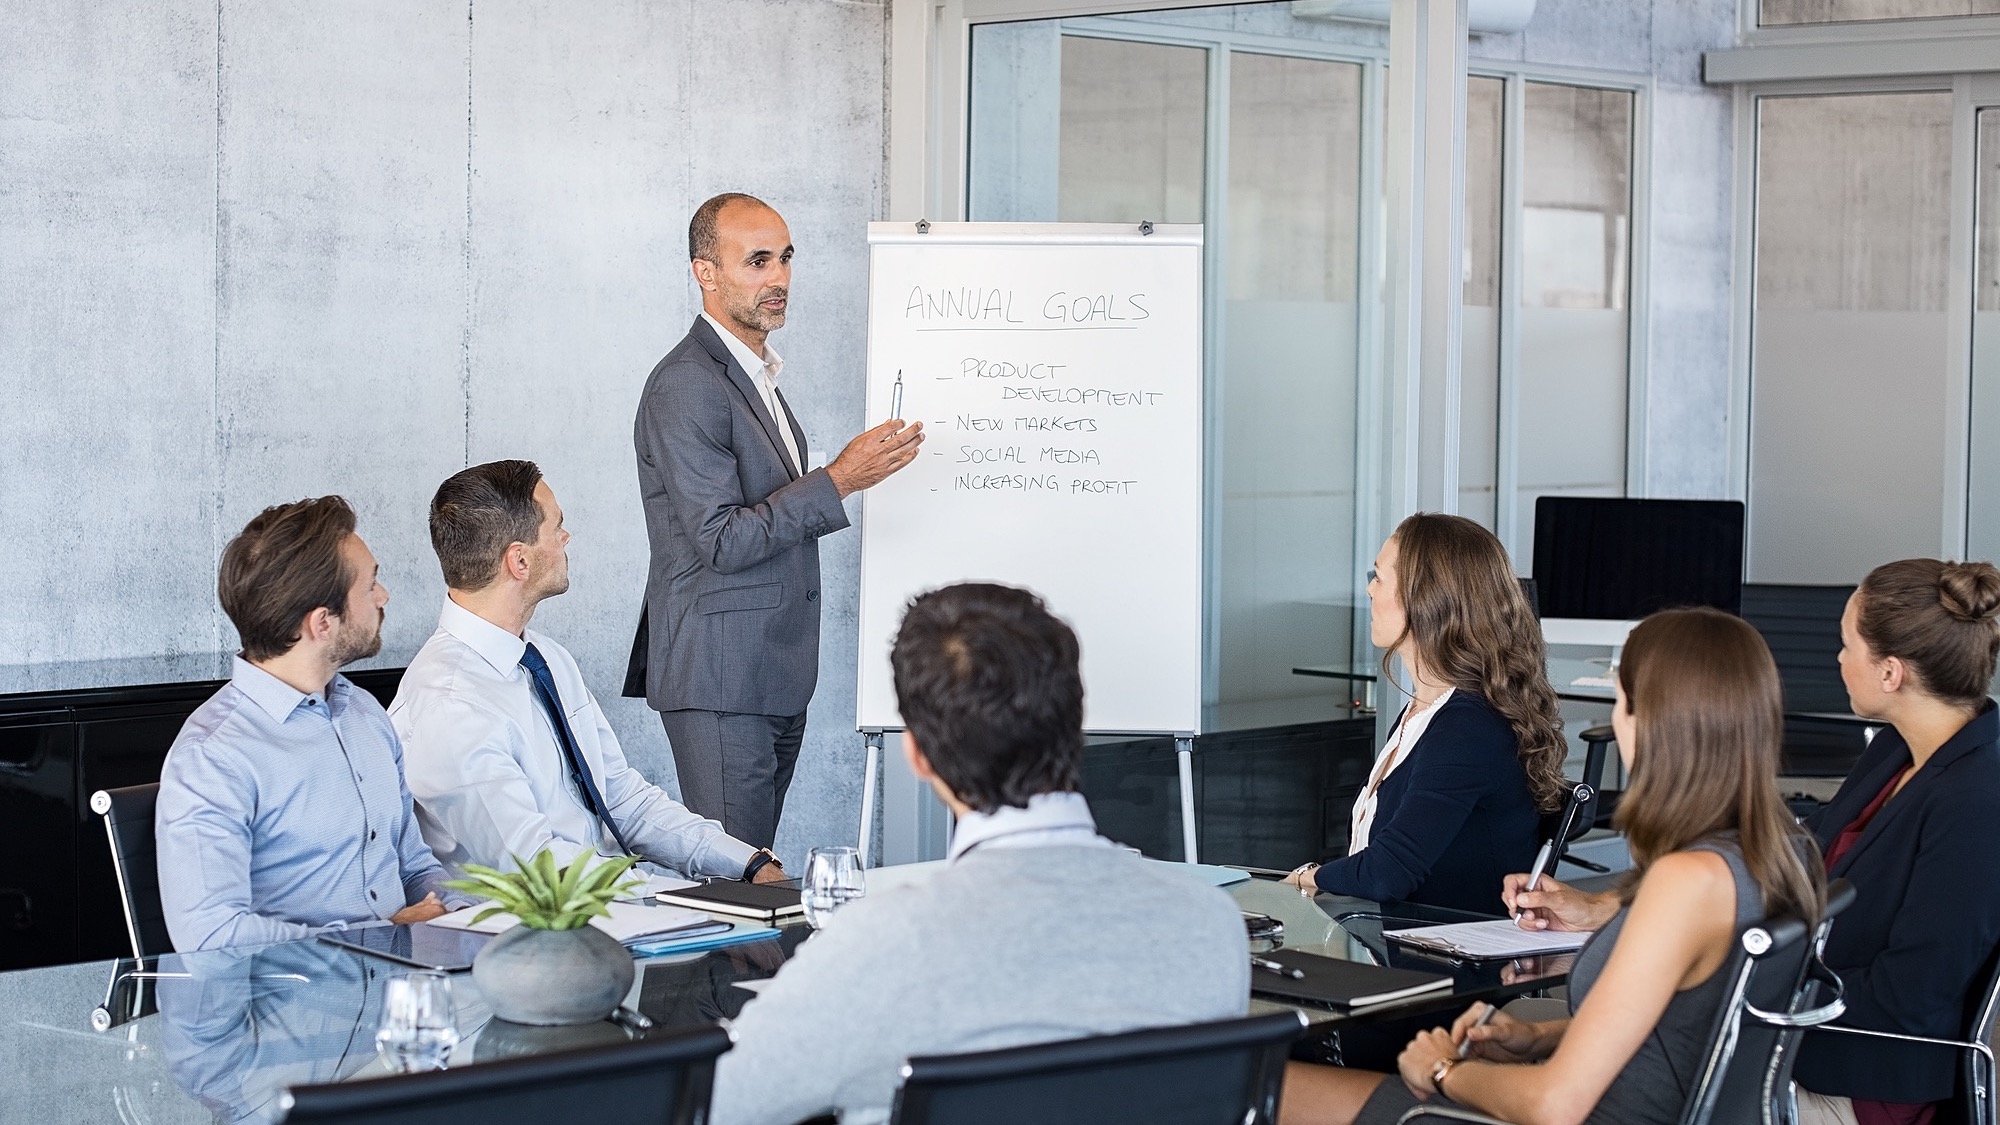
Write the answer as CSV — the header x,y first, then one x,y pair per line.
x,y
1277,967
896,396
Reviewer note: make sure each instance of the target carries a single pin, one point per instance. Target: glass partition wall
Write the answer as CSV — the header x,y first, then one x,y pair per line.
x,y
1269,145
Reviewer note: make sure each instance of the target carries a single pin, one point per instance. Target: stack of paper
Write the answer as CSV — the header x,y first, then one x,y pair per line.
x,y
1498,940
629,922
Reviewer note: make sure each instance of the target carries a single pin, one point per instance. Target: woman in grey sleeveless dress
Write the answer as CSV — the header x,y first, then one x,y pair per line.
x,y
1699,720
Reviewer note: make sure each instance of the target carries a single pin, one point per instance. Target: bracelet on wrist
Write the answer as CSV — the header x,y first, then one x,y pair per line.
x,y
758,862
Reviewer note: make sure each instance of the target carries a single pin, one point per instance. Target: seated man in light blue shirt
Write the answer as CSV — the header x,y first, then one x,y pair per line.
x,y
1036,929
508,753
282,809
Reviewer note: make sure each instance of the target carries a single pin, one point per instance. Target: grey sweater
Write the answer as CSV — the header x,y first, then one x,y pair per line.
x,y
1003,947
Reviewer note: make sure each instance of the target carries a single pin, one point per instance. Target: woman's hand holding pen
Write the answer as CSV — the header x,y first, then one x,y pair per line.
x,y
1554,905
1496,1038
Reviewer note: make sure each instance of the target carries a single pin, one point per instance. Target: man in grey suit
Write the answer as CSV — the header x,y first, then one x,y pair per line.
x,y
728,646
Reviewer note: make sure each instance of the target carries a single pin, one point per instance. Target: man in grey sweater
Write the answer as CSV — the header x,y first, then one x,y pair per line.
x,y
1036,929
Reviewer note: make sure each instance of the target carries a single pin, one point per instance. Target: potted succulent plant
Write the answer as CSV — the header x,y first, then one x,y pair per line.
x,y
555,967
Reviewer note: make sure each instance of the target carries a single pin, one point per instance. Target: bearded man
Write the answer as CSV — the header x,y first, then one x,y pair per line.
x,y
728,644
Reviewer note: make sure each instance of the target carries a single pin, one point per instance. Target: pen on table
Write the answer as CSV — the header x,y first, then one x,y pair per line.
x,y
1485,1017
1535,873
1277,967
896,396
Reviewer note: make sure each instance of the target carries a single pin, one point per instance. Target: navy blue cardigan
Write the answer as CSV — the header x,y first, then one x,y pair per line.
x,y
1451,822
1926,913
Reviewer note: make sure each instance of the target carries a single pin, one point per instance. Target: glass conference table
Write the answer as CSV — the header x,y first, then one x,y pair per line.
x,y
231,1029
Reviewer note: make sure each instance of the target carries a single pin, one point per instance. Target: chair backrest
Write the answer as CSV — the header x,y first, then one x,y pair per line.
x,y
128,821
1801,624
1223,1073
663,1081
1573,819
1747,1073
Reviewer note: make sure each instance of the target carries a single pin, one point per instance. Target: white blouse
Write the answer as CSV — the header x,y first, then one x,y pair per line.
x,y
1402,741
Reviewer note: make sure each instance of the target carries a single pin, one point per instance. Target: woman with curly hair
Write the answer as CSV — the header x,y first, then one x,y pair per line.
x,y
1453,802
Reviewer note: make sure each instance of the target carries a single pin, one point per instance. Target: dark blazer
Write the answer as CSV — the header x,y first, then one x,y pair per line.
x,y
1926,913
731,621
1452,821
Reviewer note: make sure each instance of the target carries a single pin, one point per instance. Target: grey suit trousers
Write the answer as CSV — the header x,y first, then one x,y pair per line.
x,y
736,768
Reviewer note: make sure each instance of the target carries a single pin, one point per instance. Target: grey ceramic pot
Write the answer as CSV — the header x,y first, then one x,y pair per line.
x,y
551,977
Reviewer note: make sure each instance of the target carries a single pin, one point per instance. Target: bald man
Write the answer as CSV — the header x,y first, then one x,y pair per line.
x,y
728,645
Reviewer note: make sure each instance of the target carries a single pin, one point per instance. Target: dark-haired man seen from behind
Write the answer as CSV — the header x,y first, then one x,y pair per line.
x,y
728,644
1036,929
508,751
282,809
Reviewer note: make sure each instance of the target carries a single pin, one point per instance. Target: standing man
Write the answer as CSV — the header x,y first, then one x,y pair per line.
x,y
282,810
728,645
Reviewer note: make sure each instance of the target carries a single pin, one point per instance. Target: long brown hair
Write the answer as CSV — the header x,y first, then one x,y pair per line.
x,y
1475,631
1710,720
1938,618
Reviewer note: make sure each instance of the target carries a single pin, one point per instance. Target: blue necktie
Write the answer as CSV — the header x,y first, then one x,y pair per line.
x,y
579,771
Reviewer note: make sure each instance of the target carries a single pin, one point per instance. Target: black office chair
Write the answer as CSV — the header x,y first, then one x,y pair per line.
x,y
1746,1074
1581,811
1801,625
1224,1073
663,1081
1975,1049
128,822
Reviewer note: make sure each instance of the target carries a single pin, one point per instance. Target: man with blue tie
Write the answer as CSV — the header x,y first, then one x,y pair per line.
x,y
282,809
508,751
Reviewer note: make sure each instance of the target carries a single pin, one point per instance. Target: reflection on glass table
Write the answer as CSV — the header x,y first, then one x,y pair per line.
x,y
220,1035
1352,929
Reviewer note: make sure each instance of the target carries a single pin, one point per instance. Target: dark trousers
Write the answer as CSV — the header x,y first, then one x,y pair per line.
x,y
735,768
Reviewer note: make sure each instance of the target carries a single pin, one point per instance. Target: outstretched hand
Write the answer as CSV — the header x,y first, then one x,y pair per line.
x,y
872,457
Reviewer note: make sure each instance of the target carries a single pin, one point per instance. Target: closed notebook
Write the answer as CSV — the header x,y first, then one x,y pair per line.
x,y
765,902
1341,984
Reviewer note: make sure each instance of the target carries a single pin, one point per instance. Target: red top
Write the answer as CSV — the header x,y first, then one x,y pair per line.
x,y
1867,1112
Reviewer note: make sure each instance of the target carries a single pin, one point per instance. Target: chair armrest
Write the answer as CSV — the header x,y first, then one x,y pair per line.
x,y
1955,1044
1425,1113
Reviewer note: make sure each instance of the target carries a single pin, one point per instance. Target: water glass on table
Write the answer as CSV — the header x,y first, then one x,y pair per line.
x,y
833,879
419,1026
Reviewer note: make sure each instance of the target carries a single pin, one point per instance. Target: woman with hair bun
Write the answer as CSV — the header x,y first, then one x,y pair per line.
x,y
1453,802
1915,828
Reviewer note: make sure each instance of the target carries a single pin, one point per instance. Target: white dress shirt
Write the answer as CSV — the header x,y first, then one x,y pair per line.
x,y
487,771
1050,820
1402,743
763,371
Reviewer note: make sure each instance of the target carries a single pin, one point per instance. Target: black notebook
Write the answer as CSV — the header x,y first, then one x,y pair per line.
x,y
1341,984
765,902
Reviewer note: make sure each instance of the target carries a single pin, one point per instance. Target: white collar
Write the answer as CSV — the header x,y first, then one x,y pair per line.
x,y
495,645
753,365
1050,818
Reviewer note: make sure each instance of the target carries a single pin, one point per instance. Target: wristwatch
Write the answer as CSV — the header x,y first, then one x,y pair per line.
x,y
757,863
1438,1072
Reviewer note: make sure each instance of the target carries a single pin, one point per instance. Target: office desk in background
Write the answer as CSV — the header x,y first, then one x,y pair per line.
x,y
235,1027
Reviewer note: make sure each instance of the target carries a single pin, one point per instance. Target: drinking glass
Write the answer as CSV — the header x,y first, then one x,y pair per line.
x,y
419,1027
833,879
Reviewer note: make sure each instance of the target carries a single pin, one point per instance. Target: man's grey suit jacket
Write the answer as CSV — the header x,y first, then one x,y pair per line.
x,y
731,621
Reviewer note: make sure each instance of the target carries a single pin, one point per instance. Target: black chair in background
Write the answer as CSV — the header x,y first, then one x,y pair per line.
x,y
663,1081
128,821
1588,804
1746,1075
1224,1073
1801,624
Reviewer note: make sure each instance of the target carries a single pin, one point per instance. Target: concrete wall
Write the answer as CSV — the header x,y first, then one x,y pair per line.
x,y
253,252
